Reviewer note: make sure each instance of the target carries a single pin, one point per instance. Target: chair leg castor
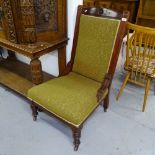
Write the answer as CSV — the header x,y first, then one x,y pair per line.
x,y
146,94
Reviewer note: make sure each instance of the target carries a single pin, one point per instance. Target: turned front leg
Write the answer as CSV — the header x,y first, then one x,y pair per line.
x,y
76,136
36,71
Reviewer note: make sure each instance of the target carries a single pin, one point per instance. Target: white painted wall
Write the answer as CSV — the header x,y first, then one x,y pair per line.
x,y
50,61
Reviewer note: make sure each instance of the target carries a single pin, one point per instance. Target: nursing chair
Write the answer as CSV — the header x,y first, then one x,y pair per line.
x,y
140,58
85,83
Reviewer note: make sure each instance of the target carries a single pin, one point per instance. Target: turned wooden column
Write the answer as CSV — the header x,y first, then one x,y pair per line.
x,y
36,71
62,59
76,135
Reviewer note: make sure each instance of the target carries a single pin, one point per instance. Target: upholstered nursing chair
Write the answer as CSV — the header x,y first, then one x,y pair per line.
x,y
85,83
140,58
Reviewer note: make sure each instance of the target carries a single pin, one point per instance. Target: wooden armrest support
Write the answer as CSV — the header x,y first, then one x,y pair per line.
x,y
105,84
67,69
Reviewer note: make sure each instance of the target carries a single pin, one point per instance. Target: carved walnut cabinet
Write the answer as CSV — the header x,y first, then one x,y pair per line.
x,y
32,28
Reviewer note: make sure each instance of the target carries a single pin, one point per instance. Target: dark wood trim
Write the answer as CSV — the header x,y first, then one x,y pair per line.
x,y
109,76
106,102
101,12
62,59
117,47
117,5
33,50
76,33
105,85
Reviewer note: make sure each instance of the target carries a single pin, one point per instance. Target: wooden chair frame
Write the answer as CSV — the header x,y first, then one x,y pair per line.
x,y
101,12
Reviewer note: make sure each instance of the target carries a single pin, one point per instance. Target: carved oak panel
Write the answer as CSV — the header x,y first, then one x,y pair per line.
x,y
8,21
30,21
46,15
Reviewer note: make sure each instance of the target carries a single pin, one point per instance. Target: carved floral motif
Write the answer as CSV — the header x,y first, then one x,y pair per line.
x,y
11,34
46,15
26,2
33,17
28,20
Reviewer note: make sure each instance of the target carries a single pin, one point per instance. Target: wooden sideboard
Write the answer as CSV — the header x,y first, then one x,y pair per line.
x,y
119,5
31,28
21,77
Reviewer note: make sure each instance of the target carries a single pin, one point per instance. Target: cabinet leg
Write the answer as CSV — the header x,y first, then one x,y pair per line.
x,y
36,71
11,55
62,59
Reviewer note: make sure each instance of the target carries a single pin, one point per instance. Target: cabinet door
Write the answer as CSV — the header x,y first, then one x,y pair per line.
x,y
29,21
131,6
8,21
120,6
51,19
88,2
105,4
2,35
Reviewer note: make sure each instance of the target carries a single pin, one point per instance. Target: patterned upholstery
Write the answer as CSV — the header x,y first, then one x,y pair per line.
x,y
71,97
142,65
93,57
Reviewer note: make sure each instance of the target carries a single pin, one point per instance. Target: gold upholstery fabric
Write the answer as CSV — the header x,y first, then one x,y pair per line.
x,y
71,97
95,44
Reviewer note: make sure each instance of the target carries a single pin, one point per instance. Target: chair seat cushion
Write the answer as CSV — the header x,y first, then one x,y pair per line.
x,y
71,98
143,65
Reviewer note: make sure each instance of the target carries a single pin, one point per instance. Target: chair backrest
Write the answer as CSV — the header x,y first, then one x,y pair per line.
x,y
96,42
140,52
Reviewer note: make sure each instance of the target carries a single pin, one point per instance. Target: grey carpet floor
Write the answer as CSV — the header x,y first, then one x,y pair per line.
x,y
123,130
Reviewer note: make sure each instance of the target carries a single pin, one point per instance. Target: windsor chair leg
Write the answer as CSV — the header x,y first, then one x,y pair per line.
x,y
146,94
123,85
